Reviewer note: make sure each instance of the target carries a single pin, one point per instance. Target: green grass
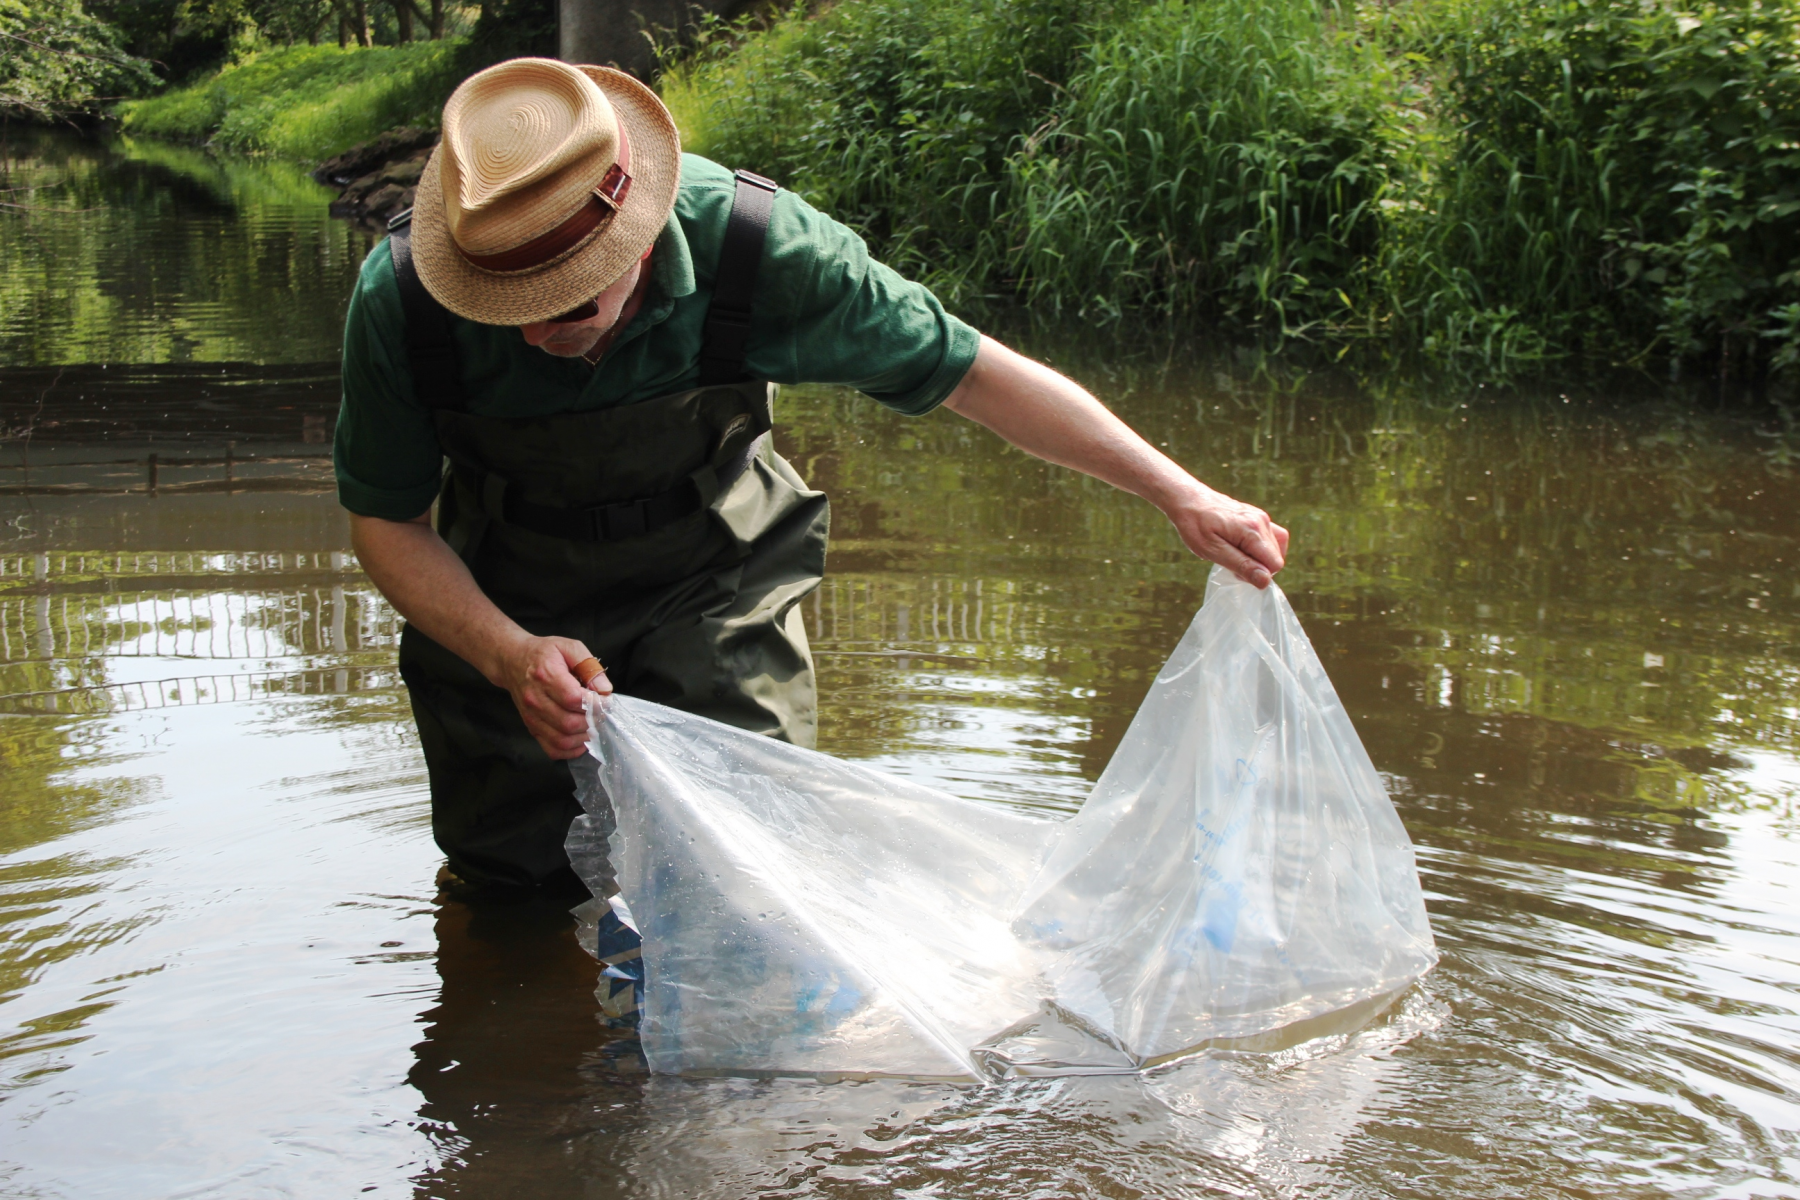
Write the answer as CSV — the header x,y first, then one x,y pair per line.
x,y
304,102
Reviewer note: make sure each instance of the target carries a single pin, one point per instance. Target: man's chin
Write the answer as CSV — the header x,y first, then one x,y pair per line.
x,y
569,349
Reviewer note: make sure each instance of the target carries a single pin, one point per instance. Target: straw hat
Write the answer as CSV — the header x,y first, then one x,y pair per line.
x,y
550,181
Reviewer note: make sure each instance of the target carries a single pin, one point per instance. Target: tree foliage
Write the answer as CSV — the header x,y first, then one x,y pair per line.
x,y
57,60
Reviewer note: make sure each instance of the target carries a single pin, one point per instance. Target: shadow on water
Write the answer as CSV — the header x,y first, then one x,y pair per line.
x,y
1568,631
514,1071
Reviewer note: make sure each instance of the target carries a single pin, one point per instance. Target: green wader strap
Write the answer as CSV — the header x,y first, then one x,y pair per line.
x,y
727,340
430,348
431,356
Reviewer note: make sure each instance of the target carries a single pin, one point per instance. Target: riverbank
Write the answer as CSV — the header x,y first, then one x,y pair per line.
x,y
305,103
1502,186
1499,189
377,180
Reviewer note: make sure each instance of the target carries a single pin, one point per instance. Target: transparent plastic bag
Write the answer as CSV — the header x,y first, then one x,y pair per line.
x,y
1238,869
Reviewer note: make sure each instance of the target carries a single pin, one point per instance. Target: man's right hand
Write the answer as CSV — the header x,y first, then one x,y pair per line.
x,y
432,588
538,672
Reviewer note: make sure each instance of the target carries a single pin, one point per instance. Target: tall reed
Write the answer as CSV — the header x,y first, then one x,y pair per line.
x,y
1221,157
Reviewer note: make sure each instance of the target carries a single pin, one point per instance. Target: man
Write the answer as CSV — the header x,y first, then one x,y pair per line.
x,y
585,323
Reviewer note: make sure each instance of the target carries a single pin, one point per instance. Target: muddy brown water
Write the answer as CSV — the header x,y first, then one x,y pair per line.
x,y
1569,633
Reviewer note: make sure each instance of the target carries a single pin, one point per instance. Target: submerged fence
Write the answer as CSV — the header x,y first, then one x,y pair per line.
x,y
252,624
84,631
187,690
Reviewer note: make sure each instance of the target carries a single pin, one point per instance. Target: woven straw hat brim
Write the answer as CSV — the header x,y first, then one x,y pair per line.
x,y
519,298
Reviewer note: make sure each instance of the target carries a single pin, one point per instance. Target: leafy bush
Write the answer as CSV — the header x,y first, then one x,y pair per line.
x,y
1626,181
305,102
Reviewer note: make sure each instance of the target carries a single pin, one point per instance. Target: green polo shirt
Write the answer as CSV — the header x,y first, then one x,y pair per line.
x,y
824,312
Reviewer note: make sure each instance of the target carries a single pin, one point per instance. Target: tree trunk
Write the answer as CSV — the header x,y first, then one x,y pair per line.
x,y
361,15
434,22
343,32
612,31
403,15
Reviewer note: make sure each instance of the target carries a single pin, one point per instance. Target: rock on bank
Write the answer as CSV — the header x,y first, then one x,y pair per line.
x,y
378,178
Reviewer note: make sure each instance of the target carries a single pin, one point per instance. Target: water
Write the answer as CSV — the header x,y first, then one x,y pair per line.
x,y
1567,631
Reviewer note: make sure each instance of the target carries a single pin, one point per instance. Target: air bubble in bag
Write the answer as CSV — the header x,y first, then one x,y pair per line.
x,y
1238,870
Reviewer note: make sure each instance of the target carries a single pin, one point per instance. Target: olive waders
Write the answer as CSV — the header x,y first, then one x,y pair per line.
x,y
667,536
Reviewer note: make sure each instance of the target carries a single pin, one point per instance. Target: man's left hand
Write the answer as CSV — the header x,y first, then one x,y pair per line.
x,y
1053,418
1239,537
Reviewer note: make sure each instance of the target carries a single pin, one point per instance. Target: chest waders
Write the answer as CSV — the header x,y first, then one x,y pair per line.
x,y
667,536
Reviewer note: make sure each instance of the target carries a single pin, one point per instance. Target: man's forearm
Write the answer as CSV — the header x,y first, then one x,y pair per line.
x,y
1053,418
429,585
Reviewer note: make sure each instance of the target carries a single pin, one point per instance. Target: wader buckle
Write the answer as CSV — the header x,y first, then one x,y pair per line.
x,y
616,522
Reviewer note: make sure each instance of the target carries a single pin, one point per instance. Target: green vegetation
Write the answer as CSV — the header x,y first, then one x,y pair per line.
x,y
1499,185
305,102
1494,183
75,59
250,75
1627,180
56,59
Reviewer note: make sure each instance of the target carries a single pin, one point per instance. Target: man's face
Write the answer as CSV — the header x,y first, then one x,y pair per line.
x,y
572,339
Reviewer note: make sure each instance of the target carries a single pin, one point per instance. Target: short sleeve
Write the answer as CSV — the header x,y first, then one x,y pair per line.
x,y
845,318
386,452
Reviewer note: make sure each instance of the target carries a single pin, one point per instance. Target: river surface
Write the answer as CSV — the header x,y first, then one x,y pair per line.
x,y
1568,631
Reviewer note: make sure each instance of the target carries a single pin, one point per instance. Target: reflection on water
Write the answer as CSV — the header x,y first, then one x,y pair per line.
x,y
150,253
1568,635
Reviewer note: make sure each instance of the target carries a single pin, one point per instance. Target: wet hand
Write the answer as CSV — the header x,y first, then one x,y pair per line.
x,y
1239,537
539,672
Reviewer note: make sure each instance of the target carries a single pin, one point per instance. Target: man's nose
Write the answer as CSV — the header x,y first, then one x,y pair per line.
x,y
537,333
